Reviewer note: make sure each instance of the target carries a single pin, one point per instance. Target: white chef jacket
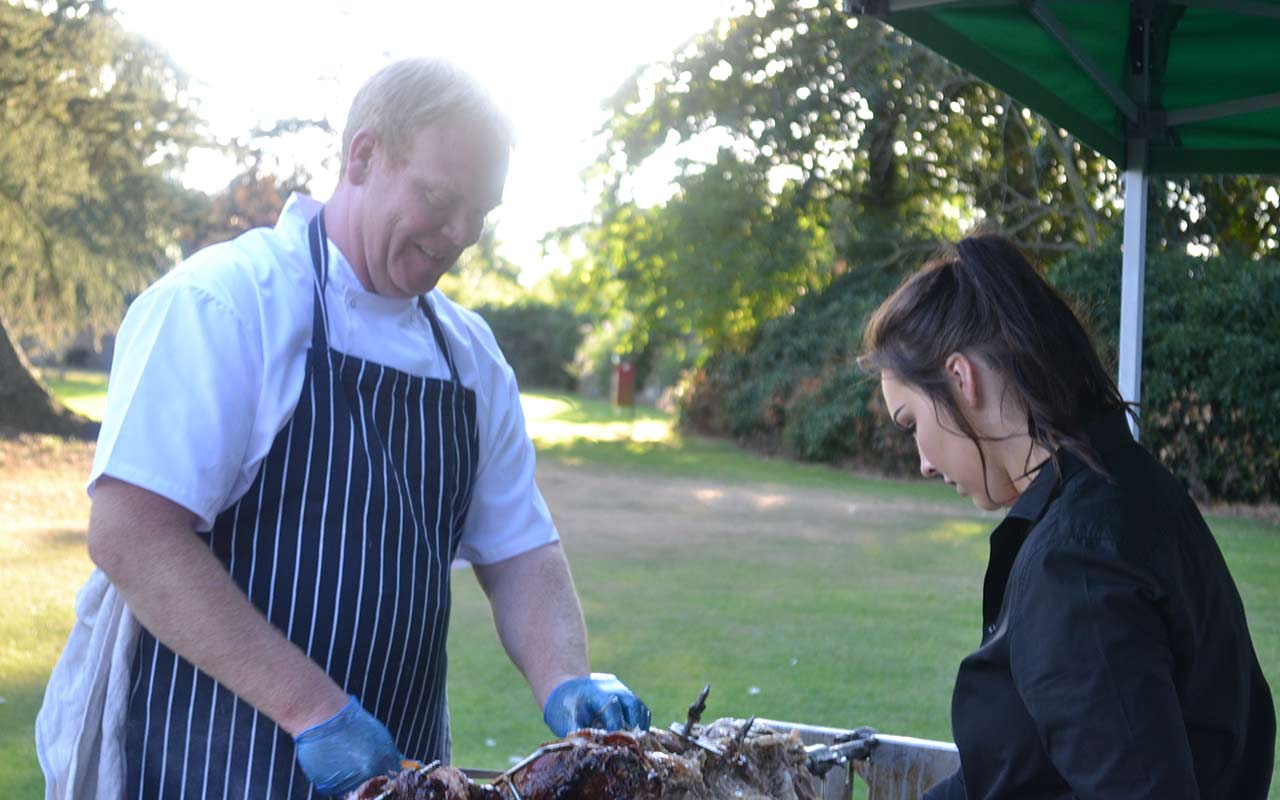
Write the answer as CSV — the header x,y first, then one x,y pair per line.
x,y
210,361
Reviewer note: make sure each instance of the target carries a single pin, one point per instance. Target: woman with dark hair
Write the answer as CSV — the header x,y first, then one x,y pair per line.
x,y
1115,660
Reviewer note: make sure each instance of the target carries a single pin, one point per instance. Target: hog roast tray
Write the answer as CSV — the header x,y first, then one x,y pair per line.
x,y
730,758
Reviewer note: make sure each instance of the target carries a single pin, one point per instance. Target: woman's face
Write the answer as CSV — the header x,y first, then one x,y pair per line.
x,y
944,449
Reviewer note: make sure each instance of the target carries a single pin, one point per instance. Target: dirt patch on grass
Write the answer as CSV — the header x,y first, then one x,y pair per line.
x,y
42,494
663,511
42,487
42,483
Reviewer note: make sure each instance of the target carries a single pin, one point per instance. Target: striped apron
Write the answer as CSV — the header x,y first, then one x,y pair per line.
x,y
344,542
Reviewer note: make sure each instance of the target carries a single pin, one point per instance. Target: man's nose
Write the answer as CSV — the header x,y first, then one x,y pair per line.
x,y
463,230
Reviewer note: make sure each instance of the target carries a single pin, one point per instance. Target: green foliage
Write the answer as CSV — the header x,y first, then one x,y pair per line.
x,y
798,388
883,150
840,141
539,340
483,276
250,200
1211,363
257,194
858,112
539,337
1211,372
847,143
597,356
720,257
1233,215
94,125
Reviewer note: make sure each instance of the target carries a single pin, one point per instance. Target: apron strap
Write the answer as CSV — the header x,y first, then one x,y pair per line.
x,y
441,340
320,263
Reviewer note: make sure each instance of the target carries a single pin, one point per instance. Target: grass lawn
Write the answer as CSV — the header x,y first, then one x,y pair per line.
x,y
82,391
812,616
864,630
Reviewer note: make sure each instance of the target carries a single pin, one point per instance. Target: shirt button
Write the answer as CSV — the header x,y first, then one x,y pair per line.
x,y
991,629
351,302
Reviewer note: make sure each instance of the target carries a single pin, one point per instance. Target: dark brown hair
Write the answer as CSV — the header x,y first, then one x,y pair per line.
x,y
984,298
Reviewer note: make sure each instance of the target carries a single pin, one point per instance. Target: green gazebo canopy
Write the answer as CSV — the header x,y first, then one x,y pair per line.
x,y
1157,86
1198,80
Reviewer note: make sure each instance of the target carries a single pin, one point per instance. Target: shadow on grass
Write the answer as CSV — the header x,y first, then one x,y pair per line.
x,y
698,457
578,431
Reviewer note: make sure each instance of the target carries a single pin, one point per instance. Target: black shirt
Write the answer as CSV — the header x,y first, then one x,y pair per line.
x,y
1115,659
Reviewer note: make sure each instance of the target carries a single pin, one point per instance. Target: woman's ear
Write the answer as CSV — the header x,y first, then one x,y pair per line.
x,y
964,377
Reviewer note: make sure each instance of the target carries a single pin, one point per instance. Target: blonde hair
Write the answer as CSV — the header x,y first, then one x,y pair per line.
x,y
405,95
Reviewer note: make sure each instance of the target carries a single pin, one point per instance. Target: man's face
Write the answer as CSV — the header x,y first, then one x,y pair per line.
x,y
419,213
944,450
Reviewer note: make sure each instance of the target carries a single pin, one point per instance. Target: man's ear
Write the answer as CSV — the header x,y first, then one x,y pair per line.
x,y
965,378
360,160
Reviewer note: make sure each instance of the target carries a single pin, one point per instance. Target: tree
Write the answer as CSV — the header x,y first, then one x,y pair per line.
x,y
1230,215
724,254
257,194
483,276
875,147
845,146
95,124
856,112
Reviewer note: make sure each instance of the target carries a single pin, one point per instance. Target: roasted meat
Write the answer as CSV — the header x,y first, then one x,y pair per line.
x,y
659,764
607,766
721,761
438,783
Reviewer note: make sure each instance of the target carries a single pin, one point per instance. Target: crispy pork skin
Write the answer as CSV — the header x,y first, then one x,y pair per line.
x,y
596,765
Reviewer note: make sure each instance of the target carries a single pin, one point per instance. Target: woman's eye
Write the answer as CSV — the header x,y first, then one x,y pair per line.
x,y
909,430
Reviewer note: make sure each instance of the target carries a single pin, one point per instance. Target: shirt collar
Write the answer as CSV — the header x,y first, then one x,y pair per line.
x,y
297,213
342,277
1107,432
295,216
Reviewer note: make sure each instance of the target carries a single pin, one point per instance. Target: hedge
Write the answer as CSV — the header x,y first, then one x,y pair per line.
x,y
539,340
1210,387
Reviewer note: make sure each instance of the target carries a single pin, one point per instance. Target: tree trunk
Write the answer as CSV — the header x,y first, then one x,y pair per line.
x,y
26,405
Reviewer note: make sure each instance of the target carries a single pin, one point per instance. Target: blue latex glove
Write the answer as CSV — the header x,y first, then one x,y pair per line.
x,y
599,700
346,750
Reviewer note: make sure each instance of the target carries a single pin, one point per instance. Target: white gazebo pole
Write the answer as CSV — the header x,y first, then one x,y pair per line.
x,y
1135,265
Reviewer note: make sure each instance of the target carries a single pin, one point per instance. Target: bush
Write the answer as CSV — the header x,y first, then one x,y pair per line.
x,y
1210,405
1210,386
797,389
539,340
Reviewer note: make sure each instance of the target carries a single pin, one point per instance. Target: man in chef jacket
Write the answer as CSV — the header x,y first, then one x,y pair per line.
x,y
302,434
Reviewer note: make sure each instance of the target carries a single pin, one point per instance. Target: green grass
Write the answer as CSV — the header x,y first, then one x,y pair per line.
x,y
578,431
82,391
858,627
40,572
866,631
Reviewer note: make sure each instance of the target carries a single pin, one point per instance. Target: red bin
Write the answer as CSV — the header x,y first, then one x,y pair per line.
x,y
624,384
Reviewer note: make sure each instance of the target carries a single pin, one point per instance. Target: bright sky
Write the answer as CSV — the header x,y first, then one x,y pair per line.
x,y
550,64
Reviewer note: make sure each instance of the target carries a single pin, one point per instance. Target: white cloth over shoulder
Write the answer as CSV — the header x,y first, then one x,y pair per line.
x,y
80,728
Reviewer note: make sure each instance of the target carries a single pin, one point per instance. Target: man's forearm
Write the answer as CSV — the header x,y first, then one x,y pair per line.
x,y
538,617
185,597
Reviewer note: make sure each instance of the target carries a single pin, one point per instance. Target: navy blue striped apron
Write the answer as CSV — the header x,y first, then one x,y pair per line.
x,y
344,541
